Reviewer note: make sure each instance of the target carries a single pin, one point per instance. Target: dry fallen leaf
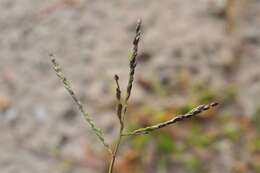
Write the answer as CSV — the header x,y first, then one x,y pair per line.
x,y
5,103
127,162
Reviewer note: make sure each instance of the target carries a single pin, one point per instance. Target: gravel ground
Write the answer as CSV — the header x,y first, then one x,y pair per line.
x,y
91,40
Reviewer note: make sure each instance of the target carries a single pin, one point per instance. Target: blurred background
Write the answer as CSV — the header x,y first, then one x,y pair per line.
x,y
191,52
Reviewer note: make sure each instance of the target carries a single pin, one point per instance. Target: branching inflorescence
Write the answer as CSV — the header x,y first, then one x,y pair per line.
x,y
122,104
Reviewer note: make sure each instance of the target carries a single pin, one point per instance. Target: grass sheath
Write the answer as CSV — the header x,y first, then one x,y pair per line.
x,y
122,104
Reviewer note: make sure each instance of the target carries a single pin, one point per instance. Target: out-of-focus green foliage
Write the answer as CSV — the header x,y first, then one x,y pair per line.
x,y
140,142
256,119
194,164
232,131
165,143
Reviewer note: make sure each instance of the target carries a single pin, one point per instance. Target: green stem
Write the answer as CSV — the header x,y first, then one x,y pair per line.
x,y
112,162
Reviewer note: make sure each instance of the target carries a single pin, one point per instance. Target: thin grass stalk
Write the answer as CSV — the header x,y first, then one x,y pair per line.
x,y
119,102
119,115
115,151
122,105
179,118
98,132
132,64
120,111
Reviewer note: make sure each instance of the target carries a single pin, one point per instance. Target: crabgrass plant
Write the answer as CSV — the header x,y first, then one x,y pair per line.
x,y
122,104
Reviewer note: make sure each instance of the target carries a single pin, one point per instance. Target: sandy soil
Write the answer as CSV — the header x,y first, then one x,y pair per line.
x,y
91,40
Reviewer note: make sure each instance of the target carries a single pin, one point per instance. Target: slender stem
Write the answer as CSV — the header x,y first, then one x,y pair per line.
x,y
121,110
119,103
115,151
112,162
188,115
132,65
119,115
98,132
